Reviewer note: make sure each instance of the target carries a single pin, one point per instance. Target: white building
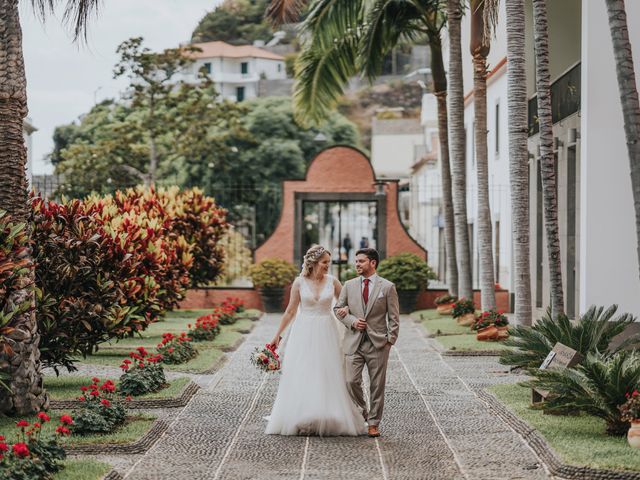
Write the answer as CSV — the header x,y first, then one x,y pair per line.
x,y
393,145
596,214
237,70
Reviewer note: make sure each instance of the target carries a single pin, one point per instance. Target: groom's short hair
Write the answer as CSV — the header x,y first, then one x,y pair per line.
x,y
371,254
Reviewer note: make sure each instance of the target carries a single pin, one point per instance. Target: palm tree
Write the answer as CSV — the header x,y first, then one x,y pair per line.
x,y
518,159
628,96
480,44
457,148
347,38
547,162
23,368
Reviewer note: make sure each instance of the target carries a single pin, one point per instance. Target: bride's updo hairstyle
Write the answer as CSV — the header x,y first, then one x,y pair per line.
x,y
311,259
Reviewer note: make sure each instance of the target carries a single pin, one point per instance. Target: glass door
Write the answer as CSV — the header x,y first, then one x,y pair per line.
x,y
342,227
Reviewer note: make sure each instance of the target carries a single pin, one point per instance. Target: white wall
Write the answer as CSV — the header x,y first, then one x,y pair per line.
x,y
392,155
608,255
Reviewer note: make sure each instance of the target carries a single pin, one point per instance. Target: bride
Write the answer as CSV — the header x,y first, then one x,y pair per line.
x,y
312,396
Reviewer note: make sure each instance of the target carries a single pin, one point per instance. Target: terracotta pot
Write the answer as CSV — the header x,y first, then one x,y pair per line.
x,y
444,309
467,319
503,332
633,435
487,333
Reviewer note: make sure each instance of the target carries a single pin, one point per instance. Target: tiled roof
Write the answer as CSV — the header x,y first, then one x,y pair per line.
x,y
225,50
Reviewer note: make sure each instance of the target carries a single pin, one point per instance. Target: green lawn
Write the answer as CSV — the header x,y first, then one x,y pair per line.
x,y
451,335
136,427
83,470
68,387
112,353
577,440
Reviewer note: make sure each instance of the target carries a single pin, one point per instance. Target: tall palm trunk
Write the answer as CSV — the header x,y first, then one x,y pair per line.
x,y
440,89
457,144
480,49
23,368
628,97
547,163
518,159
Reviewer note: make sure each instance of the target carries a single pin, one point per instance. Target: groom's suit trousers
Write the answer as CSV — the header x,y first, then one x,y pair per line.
x,y
376,360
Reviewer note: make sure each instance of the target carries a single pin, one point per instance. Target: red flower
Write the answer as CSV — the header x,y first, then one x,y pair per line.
x,y
36,425
124,367
20,449
128,398
82,399
95,393
3,446
22,424
95,380
635,393
66,419
44,418
62,430
105,402
126,361
84,388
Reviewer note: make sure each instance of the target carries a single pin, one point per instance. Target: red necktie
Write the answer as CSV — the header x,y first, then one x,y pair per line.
x,y
365,291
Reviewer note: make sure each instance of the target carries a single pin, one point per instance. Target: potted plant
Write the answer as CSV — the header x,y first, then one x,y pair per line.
x,y
410,274
464,312
630,412
444,303
491,325
270,276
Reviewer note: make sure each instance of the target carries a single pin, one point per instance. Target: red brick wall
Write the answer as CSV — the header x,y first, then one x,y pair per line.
x,y
206,298
337,169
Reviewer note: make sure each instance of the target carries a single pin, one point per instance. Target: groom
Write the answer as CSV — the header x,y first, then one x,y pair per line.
x,y
373,322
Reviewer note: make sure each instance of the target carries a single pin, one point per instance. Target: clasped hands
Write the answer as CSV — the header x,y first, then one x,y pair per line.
x,y
359,324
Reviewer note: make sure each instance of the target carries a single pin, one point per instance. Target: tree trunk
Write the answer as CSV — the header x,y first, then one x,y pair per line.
x,y
628,97
479,46
547,161
457,150
23,368
440,89
153,162
518,160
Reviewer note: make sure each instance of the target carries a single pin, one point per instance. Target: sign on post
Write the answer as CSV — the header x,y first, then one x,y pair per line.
x,y
560,357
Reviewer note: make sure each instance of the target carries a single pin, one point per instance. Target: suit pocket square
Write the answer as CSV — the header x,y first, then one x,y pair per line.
x,y
381,295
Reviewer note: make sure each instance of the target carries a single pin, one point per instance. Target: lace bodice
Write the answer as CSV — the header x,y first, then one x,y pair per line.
x,y
312,305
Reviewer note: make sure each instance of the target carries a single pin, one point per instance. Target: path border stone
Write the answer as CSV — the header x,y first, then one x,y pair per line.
x,y
470,353
544,451
141,445
179,400
113,475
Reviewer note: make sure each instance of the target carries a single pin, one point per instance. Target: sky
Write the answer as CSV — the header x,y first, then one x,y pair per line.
x,y
64,79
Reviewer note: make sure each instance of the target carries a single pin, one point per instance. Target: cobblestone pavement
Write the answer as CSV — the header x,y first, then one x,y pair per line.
x,y
434,426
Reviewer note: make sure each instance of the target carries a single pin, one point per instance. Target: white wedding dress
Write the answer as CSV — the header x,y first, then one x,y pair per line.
x,y
312,396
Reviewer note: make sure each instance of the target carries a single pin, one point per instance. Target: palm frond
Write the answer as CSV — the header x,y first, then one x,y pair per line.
x,y
597,386
321,75
592,333
389,21
76,13
284,11
331,19
490,18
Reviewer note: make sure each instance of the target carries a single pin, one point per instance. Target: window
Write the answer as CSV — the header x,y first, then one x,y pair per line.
x,y
279,67
497,128
244,68
239,94
207,68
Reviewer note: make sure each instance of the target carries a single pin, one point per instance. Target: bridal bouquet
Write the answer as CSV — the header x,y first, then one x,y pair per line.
x,y
266,358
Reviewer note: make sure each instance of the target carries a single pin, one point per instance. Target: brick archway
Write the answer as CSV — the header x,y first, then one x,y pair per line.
x,y
338,173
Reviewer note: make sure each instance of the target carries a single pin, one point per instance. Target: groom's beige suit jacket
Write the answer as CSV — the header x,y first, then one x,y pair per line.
x,y
382,313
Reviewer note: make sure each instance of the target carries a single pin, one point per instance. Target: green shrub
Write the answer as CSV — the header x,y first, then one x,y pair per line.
x,y
407,271
175,350
598,386
102,409
272,273
142,373
592,333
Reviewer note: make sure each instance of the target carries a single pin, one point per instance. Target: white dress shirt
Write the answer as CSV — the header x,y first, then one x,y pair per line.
x,y
372,282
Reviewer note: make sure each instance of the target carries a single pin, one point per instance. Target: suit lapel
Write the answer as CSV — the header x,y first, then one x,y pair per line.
x,y
373,296
358,291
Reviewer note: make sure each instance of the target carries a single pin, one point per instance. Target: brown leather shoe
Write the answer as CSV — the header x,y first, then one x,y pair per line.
x,y
373,431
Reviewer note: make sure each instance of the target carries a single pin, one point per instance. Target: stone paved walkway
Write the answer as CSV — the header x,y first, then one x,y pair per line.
x,y
434,426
